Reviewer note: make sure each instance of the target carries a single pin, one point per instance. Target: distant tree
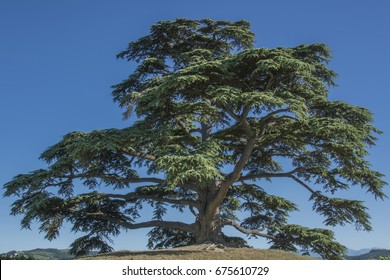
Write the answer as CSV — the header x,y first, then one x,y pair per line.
x,y
215,117
15,256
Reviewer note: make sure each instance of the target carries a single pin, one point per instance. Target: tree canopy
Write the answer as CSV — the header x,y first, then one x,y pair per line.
x,y
214,117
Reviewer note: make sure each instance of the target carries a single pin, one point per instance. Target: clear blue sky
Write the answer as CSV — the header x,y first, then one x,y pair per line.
x,y
57,63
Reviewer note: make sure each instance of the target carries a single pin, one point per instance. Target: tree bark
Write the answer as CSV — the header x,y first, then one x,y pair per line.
x,y
208,226
208,230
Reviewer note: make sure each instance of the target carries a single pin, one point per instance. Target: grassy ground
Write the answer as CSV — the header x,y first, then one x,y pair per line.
x,y
201,252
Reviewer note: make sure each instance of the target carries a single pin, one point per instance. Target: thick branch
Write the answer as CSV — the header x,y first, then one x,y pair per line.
x,y
240,119
205,131
265,118
245,111
131,196
248,231
157,223
192,210
234,175
230,112
269,175
164,224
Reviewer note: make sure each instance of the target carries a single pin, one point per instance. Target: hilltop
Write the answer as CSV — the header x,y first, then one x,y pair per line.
x,y
202,252
195,252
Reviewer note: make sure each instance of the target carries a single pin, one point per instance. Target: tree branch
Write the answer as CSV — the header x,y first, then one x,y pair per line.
x,y
155,223
234,175
303,184
246,111
192,210
240,119
268,116
130,196
266,174
142,155
205,131
115,178
248,231
230,113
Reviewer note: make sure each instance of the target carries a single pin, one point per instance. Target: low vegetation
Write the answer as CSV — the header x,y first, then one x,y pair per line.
x,y
15,257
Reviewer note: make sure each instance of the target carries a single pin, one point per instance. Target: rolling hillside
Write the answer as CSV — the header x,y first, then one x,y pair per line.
x,y
38,254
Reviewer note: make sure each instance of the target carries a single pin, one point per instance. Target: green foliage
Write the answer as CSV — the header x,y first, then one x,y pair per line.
x,y
341,211
297,238
215,116
15,257
87,244
160,237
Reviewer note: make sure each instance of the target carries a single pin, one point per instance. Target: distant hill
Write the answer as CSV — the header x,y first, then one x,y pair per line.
x,y
374,254
352,252
39,254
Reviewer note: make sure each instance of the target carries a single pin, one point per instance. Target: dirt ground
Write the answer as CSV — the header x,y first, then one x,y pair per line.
x,y
201,252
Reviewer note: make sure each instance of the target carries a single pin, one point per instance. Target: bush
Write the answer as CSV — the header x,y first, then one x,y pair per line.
x,y
15,257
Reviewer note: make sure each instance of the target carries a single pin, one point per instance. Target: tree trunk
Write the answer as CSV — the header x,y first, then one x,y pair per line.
x,y
208,224
208,230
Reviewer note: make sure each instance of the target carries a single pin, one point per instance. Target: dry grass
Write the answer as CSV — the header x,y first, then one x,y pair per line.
x,y
201,252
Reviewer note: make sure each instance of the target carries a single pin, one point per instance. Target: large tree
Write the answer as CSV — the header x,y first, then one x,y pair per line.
x,y
215,116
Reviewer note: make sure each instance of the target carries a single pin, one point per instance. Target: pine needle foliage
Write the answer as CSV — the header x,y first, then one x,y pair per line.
x,y
214,117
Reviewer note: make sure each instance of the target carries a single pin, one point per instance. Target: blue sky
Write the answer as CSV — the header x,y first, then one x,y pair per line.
x,y
57,63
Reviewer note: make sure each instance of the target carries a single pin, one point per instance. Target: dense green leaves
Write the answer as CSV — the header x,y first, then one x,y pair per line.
x,y
215,116
89,243
321,241
167,238
341,211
